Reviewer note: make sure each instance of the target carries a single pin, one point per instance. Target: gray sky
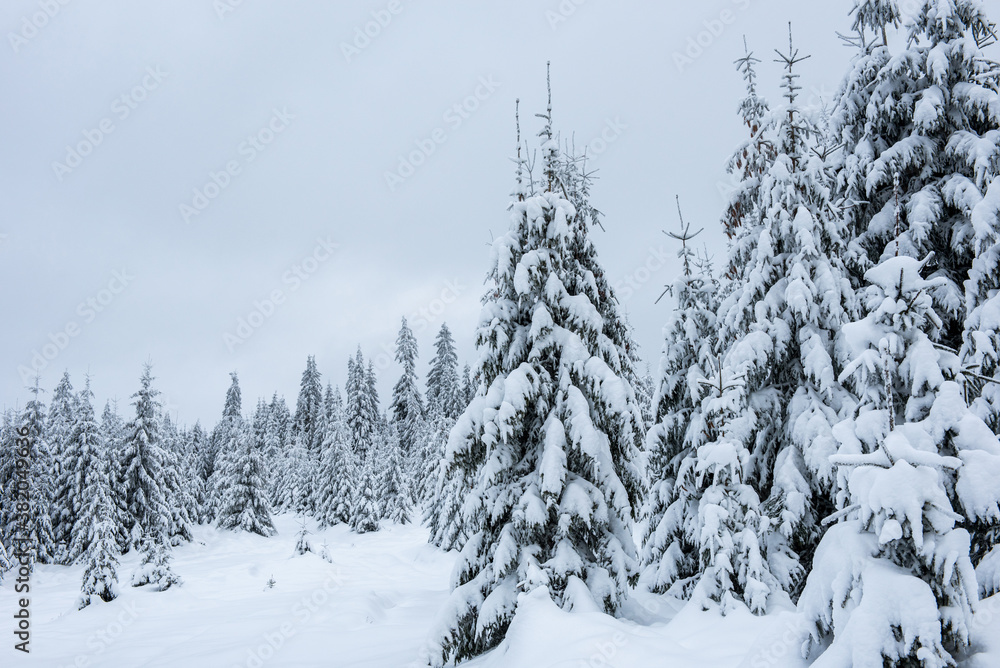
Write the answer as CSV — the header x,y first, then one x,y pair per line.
x,y
116,112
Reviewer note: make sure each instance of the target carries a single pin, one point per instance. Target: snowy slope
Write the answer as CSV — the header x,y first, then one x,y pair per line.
x,y
373,607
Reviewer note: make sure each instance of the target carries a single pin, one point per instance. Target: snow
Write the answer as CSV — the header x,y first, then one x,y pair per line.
x,y
373,606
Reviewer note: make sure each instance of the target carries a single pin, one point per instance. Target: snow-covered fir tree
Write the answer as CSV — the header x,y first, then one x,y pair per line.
x,y
671,545
392,488
145,499
58,427
279,427
97,529
468,386
244,506
893,582
175,486
113,437
407,407
927,121
228,437
361,407
155,567
443,388
788,297
365,506
338,473
551,441
33,535
307,431
85,474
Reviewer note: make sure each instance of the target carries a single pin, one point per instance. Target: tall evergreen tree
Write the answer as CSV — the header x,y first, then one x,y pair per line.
x,y
556,407
113,437
98,531
227,436
84,476
58,428
245,506
361,407
142,459
175,486
443,389
391,490
338,473
789,297
893,583
34,536
671,544
407,407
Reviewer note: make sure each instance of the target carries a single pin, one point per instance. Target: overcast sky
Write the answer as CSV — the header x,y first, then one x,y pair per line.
x,y
286,118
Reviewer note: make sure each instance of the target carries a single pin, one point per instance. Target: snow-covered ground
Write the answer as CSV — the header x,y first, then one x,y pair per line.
x,y
373,606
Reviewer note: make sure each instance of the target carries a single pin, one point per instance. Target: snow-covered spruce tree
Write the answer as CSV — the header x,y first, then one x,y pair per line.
x,y
175,486
443,389
551,441
196,442
789,297
644,390
931,120
892,583
391,488
155,567
741,221
436,487
85,474
143,491
407,408
670,552
244,506
227,437
365,506
58,425
35,538
468,388
113,437
338,474
361,407
307,429
279,444
97,529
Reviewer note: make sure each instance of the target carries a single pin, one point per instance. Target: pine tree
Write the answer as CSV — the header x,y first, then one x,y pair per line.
x,y
468,388
8,480
228,442
142,459
307,427
84,477
788,297
155,567
35,538
443,389
927,121
391,490
98,530
113,437
894,584
555,406
245,506
361,407
671,542
277,452
338,472
365,515
58,428
176,490
407,407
